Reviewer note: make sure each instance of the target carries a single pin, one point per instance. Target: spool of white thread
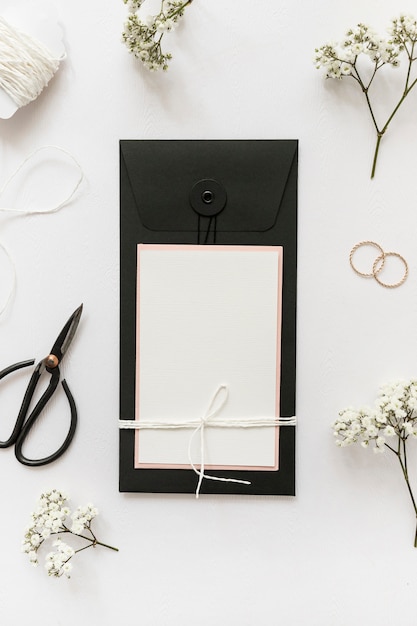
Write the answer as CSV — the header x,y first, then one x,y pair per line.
x,y
28,61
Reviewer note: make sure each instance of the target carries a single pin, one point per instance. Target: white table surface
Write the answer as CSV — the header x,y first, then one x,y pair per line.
x,y
339,553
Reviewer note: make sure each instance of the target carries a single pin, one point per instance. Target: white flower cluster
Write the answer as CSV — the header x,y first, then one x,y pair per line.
x,y
57,563
50,518
82,518
395,414
344,59
339,59
403,31
143,36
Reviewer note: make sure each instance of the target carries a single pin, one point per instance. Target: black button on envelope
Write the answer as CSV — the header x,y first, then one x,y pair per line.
x,y
208,198
179,201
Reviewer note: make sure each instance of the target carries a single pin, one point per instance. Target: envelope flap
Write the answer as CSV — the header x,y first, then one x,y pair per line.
x,y
249,173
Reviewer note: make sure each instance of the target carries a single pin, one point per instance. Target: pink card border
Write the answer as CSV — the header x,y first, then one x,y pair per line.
x,y
210,248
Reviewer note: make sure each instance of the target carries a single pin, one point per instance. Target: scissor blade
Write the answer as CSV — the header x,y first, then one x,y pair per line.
x,y
66,335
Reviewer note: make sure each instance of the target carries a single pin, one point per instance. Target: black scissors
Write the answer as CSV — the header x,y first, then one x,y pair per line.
x,y
49,364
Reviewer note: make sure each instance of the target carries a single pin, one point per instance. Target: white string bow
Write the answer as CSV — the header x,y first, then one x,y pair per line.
x,y
207,420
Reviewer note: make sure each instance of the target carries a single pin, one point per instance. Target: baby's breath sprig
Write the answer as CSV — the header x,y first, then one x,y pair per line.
x,y
143,37
388,426
342,60
53,517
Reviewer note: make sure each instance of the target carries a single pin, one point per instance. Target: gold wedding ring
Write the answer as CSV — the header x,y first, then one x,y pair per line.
x,y
381,256
378,264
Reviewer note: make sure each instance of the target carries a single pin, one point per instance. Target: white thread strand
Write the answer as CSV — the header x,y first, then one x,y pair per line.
x,y
201,424
211,412
231,422
13,285
53,209
26,64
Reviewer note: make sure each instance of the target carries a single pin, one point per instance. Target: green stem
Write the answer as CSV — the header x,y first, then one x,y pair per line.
x,y
405,473
105,545
169,15
401,100
93,542
180,8
410,60
378,141
368,102
376,68
403,464
378,132
407,89
387,123
84,548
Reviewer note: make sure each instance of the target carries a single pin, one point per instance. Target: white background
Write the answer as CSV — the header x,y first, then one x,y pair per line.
x,y
340,552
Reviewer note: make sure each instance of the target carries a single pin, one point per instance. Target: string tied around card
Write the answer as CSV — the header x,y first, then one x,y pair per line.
x,y
211,412
36,211
207,420
26,64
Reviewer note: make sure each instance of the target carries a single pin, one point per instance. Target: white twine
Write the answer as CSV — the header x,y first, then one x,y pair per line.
x,y
26,64
52,209
199,425
13,285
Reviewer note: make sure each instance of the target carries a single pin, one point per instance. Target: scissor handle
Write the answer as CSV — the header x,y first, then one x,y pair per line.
x,y
8,370
31,419
16,366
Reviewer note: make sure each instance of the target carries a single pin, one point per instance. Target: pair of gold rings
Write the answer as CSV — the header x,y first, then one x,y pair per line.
x,y
378,264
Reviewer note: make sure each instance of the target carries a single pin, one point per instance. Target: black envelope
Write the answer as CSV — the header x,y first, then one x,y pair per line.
x,y
225,192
